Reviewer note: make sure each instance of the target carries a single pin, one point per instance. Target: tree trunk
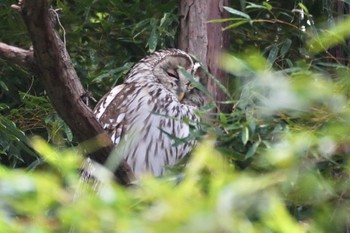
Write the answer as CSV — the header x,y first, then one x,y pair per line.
x,y
53,66
341,10
205,40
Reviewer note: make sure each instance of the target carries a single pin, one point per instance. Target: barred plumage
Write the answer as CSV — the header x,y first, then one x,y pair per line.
x,y
151,105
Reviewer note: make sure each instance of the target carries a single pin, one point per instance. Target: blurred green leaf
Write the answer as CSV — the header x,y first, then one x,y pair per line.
x,y
331,37
237,12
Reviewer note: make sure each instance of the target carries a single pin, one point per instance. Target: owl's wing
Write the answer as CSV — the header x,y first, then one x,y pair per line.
x,y
112,108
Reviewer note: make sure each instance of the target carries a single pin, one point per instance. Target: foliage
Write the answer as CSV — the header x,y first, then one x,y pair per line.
x,y
208,199
294,123
295,116
293,177
277,163
104,38
280,29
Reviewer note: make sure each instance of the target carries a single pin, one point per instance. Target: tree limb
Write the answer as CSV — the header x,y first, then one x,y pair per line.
x,y
61,82
21,57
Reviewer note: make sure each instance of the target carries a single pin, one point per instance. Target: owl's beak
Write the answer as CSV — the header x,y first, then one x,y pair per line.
x,y
181,96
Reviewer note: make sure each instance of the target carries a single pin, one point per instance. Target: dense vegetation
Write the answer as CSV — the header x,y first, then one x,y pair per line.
x,y
277,163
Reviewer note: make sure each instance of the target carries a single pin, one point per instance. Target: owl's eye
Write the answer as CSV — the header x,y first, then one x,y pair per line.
x,y
172,73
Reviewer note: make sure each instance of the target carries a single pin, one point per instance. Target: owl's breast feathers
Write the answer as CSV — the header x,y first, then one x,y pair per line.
x,y
146,122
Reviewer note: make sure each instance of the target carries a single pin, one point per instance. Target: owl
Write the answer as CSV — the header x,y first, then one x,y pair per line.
x,y
149,117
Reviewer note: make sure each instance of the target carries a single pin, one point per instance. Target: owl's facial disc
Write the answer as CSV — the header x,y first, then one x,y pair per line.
x,y
184,85
170,73
179,82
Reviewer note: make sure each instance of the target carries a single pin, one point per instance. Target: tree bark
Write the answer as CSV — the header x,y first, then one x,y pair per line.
x,y
341,10
54,67
205,40
21,57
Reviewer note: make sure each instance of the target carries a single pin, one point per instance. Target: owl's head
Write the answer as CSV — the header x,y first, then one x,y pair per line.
x,y
172,68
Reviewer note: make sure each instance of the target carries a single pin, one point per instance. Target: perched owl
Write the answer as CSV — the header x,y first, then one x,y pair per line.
x,y
153,110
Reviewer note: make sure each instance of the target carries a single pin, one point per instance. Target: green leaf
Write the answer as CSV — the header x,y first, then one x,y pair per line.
x,y
68,132
252,150
224,20
165,19
267,5
4,86
289,62
302,6
273,54
285,47
153,38
234,25
223,119
257,6
331,37
237,12
245,135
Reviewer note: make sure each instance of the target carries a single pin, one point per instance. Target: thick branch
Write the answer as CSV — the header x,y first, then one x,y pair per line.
x,y
62,83
21,57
